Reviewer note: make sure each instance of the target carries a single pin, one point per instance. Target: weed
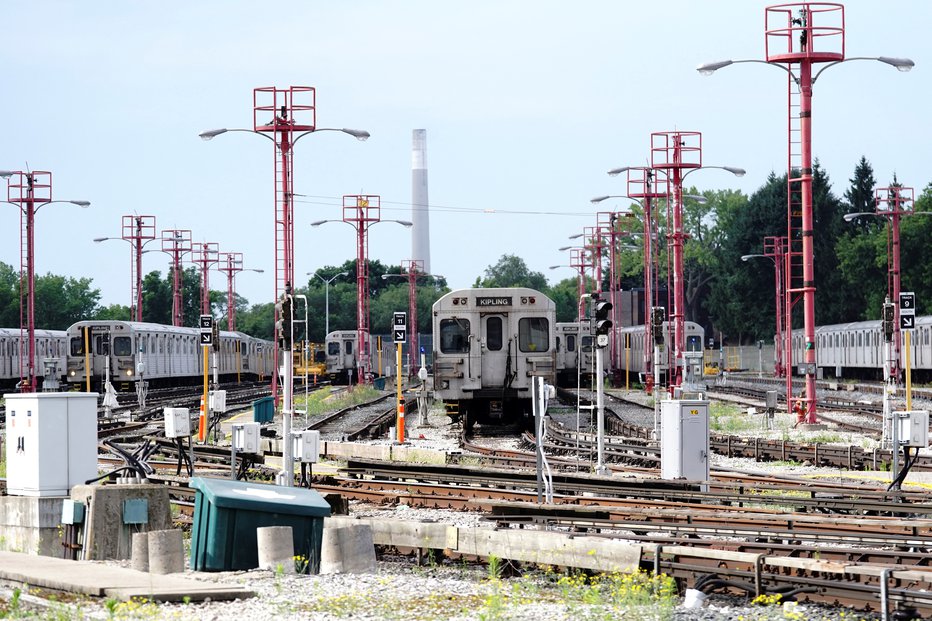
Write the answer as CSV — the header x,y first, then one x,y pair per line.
x,y
495,567
301,564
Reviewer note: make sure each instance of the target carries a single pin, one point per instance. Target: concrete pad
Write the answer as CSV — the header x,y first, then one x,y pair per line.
x,y
99,580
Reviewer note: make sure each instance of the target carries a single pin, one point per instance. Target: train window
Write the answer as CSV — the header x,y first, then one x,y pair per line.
x,y
533,334
493,333
693,343
348,347
122,346
333,349
454,336
102,345
570,342
77,346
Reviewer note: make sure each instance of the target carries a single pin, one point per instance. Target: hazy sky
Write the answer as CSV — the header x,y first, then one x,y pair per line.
x,y
526,106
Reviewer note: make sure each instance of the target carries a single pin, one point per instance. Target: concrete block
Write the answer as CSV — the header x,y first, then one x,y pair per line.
x,y
347,549
166,552
107,535
276,548
141,551
30,524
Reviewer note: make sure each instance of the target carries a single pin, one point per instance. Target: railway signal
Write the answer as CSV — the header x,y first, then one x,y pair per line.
x,y
602,324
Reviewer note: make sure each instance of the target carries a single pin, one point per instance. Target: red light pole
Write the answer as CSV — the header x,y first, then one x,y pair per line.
x,y
231,263
177,242
205,254
803,34
411,268
775,250
580,263
138,230
29,191
362,211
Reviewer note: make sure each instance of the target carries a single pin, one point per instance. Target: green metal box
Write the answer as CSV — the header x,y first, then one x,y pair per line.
x,y
263,410
227,514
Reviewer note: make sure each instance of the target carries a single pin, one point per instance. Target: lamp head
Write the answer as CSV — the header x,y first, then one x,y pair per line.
x,y
100,239
319,222
81,204
617,171
901,64
599,199
359,134
710,68
210,134
6,174
737,172
405,223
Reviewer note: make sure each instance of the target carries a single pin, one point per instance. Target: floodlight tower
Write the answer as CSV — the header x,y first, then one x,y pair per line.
x,y
581,260
677,154
413,267
775,250
204,255
231,263
138,230
177,242
361,212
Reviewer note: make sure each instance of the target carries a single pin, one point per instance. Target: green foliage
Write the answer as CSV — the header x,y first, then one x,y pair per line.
x,y
512,271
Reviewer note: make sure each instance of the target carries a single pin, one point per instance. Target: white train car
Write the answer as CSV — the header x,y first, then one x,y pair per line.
x,y
635,336
163,355
50,345
575,355
856,350
342,356
489,343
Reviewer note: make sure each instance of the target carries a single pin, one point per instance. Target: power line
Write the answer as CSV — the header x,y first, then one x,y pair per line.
x,y
442,208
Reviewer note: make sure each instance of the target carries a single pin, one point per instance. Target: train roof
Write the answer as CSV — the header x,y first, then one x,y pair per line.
x,y
15,332
496,297
144,326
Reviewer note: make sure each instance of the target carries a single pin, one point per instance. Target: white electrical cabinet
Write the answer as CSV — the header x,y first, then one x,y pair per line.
x,y
684,439
177,422
218,400
51,442
914,428
307,446
246,437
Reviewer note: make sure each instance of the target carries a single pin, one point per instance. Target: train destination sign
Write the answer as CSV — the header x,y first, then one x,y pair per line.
x,y
501,300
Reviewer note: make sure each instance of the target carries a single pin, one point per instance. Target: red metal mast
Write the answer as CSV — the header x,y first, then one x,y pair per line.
x,y
646,185
279,114
580,263
176,242
362,211
775,248
893,202
138,230
414,268
204,255
802,34
675,152
231,263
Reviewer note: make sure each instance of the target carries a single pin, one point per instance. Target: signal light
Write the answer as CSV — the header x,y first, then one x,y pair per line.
x,y
888,321
658,315
283,321
602,325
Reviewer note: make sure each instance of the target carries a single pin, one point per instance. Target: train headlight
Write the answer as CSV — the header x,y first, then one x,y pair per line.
x,y
72,374
129,372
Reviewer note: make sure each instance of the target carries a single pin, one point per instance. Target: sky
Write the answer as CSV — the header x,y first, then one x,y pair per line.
x,y
526,106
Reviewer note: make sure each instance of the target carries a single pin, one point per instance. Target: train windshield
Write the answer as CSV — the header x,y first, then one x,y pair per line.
x,y
77,346
693,343
333,349
454,336
122,346
533,334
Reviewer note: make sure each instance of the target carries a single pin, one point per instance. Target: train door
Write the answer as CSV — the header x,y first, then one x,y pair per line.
x,y
349,357
495,352
100,351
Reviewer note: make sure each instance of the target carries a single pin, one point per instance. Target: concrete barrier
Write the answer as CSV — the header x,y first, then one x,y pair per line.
x,y
166,552
140,554
276,548
347,549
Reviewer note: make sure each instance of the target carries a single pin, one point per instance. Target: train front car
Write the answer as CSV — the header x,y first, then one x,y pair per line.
x,y
488,345
101,349
341,356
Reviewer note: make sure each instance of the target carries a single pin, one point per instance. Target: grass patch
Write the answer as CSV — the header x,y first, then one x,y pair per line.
x,y
324,401
730,418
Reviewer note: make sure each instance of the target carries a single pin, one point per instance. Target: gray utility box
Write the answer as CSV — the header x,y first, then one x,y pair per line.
x,y
684,439
51,442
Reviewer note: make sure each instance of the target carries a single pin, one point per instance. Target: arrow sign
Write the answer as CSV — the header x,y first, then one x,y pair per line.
x,y
207,338
907,322
400,335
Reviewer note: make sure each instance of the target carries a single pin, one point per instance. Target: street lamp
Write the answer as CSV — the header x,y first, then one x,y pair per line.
x,y
580,260
29,191
231,263
803,34
775,250
362,211
278,109
205,254
327,282
412,268
138,231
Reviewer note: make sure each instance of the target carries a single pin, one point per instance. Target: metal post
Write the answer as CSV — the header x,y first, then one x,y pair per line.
x,y
399,397
231,263
177,242
600,413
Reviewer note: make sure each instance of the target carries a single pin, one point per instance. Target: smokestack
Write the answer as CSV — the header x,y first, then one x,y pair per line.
x,y
420,216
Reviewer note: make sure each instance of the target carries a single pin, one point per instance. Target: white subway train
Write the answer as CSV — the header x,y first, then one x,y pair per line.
x,y
855,350
575,355
489,343
633,338
50,345
163,355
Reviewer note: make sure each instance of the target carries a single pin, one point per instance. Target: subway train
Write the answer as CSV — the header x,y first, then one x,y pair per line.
x,y
575,355
340,355
127,351
50,345
632,361
489,344
855,350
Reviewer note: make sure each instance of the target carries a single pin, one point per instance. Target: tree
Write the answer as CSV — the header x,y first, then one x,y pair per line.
x,y
157,298
62,301
565,294
512,271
